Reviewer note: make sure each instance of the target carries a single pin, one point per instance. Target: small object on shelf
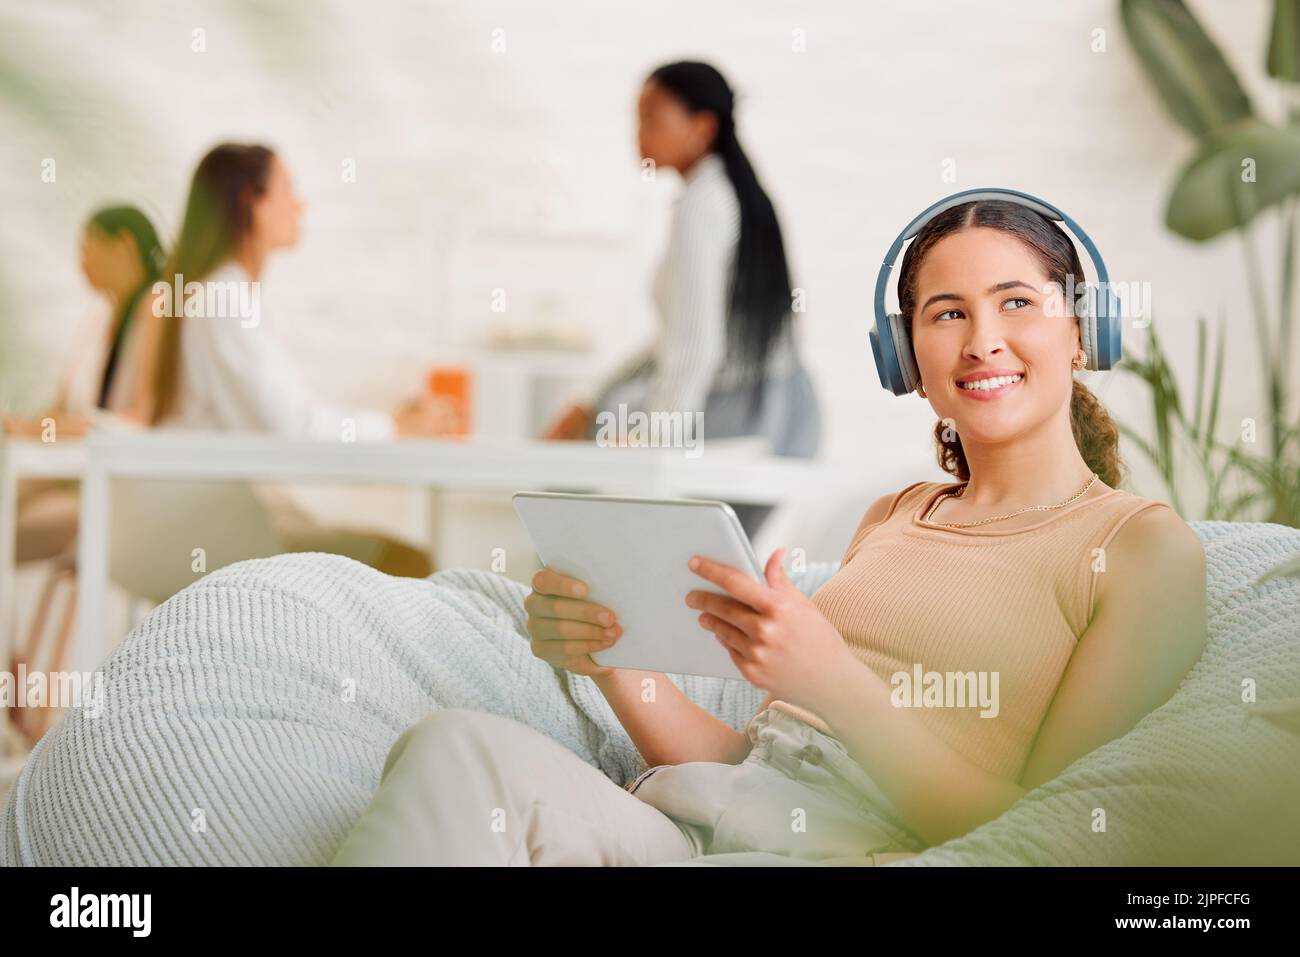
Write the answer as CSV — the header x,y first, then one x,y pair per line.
x,y
540,336
454,384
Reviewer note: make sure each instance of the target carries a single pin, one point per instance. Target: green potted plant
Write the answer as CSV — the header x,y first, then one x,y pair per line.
x,y
1243,166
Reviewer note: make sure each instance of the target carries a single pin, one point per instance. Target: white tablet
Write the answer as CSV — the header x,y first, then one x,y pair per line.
x,y
632,553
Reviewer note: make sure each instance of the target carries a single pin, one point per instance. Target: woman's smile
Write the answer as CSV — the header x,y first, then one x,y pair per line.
x,y
990,388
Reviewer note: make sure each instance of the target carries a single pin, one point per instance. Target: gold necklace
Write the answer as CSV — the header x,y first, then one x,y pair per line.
x,y
1028,508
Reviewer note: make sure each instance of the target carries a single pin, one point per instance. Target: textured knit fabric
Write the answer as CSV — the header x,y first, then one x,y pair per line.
x,y
229,734
246,720
1012,604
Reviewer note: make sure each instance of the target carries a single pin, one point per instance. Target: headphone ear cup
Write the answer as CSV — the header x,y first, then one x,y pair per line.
x,y
1087,319
1108,332
911,376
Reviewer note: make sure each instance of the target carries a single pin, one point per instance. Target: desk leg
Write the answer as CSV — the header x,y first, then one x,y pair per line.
x,y
8,571
92,569
437,529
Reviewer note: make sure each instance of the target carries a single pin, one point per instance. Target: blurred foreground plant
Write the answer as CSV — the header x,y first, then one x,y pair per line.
x,y
1238,481
1243,166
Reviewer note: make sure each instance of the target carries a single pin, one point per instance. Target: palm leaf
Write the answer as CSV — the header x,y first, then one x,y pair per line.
x,y
1284,41
1200,377
1186,67
1211,197
1215,392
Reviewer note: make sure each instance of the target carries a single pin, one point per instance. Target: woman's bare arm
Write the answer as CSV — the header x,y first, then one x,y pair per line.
x,y
939,792
675,729
665,725
1148,631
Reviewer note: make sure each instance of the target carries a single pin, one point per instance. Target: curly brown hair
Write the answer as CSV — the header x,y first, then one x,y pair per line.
x,y
1095,432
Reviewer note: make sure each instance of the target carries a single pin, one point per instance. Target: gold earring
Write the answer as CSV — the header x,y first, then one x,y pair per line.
x,y
920,390
1080,360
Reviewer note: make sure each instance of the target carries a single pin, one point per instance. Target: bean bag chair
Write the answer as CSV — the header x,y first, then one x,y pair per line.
x,y
246,721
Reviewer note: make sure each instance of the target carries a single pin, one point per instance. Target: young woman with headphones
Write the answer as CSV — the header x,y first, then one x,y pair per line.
x,y
1082,604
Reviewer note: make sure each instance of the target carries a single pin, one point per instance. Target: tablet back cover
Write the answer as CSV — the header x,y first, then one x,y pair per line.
x,y
632,554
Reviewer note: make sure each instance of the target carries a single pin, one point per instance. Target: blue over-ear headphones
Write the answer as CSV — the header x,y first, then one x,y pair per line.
x,y
1099,318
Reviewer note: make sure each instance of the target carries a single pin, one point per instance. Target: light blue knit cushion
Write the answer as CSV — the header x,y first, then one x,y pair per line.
x,y
246,721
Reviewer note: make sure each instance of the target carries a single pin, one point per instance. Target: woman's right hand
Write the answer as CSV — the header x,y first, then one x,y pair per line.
x,y
425,416
23,428
64,423
565,628
571,426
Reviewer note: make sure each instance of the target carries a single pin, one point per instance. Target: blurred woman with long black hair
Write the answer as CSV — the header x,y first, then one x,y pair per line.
x,y
722,289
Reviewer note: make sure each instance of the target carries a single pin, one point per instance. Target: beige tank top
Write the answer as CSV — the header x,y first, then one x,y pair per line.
x,y
953,607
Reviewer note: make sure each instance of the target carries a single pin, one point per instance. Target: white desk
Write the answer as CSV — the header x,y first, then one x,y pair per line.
x,y
26,459
19,459
442,464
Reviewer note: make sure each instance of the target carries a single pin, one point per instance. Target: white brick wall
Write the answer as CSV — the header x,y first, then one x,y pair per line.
x,y
517,169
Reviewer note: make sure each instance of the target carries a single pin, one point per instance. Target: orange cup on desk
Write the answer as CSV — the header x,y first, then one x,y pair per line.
x,y
453,384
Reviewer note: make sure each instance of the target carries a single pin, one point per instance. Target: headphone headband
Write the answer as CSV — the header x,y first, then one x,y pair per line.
x,y
891,341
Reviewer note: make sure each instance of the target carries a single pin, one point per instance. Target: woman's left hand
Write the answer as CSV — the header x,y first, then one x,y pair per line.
x,y
776,636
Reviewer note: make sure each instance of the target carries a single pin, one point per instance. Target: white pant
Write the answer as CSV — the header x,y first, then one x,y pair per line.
x,y
470,788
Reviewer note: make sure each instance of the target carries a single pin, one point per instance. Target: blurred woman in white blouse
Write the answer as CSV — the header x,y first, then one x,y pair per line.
x,y
722,290
229,371
220,366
